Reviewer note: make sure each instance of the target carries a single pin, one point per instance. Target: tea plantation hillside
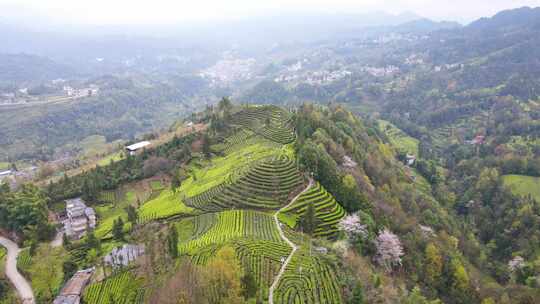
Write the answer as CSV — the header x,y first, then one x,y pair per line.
x,y
264,205
244,191
258,175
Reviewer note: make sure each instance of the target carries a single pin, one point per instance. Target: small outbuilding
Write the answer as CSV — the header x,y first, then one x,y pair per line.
x,y
124,255
410,159
137,146
72,291
321,250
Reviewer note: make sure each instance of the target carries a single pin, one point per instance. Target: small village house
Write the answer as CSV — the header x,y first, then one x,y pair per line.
x,y
72,291
79,218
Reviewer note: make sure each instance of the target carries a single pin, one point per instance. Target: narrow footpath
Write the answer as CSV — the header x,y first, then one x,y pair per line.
x,y
58,240
293,246
21,284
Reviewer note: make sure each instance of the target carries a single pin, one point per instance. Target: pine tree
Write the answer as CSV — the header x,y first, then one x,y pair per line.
x,y
118,229
358,295
132,214
66,243
308,222
249,286
175,182
172,242
206,145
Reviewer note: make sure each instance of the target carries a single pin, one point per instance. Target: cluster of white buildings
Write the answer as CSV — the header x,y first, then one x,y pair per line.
x,y
227,71
414,59
314,78
381,72
393,37
443,67
79,218
84,92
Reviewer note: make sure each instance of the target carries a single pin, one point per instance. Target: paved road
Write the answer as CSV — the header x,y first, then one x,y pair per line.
x,y
293,246
21,284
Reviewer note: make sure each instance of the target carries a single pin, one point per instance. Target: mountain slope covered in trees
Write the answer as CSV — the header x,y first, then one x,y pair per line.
x,y
368,229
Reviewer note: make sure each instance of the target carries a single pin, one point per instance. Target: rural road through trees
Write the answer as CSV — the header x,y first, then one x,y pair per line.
x,y
293,246
21,284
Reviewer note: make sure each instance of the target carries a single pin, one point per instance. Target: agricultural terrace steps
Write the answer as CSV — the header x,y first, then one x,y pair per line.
x,y
24,288
293,246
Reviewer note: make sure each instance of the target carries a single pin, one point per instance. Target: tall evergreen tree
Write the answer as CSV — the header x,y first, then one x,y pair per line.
x,y
172,241
132,214
249,286
118,229
308,222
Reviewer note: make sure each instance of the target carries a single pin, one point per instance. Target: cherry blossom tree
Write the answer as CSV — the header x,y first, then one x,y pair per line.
x,y
516,263
353,227
389,249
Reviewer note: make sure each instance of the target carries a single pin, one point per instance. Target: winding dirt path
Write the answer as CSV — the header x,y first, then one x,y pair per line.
x,y
58,239
293,246
21,284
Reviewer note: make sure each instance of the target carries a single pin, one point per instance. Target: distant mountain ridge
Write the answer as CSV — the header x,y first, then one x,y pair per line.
x,y
525,17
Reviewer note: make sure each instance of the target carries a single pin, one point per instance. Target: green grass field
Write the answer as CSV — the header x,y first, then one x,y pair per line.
x,y
44,269
24,260
523,185
3,253
9,295
398,138
156,185
93,145
111,157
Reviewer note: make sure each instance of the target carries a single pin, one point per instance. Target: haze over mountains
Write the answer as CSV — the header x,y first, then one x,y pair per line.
x,y
244,58
326,156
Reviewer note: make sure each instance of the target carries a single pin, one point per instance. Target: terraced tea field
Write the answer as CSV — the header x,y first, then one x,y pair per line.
x,y
230,225
167,204
231,199
121,288
403,142
264,185
327,211
270,122
221,169
308,279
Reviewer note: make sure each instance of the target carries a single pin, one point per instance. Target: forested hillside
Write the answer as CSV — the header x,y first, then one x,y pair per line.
x,y
311,205
30,68
124,109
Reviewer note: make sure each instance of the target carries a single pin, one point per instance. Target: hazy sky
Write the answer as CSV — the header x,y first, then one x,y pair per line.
x,y
101,12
